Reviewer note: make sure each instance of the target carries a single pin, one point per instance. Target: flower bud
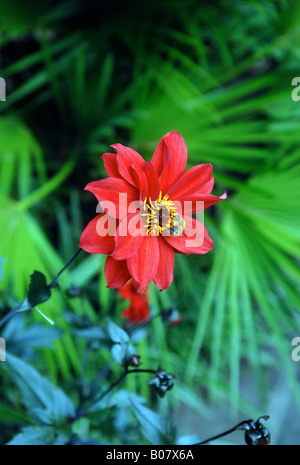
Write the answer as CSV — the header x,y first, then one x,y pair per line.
x,y
134,361
256,434
162,383
172,317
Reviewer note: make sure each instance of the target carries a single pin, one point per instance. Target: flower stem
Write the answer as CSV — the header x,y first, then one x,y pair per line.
x,y
81,413
218,436
53,282
10,314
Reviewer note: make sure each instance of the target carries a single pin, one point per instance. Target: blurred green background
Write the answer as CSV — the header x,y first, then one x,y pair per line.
x,y
81,75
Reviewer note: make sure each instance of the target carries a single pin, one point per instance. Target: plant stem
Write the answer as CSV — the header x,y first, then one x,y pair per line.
x,y
53,282
10,314
85,409
220,435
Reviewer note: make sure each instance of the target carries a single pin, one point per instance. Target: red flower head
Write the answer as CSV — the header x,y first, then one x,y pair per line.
x,y
138,310
146,213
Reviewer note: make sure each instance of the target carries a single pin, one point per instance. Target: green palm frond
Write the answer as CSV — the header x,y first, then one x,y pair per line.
x,y
21,159
24,246
244,122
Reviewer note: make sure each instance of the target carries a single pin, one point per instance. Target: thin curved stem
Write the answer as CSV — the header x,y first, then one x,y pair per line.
x,y
10,314
218,436
53,282
86,409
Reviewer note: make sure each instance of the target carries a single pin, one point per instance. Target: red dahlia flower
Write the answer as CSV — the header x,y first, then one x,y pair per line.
x,y
138,311
146,213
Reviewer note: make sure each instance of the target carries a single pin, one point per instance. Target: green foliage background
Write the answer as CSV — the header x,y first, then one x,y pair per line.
x,y
83,75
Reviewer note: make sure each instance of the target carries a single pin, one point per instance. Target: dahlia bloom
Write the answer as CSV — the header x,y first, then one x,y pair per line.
x,y
138,310
146,213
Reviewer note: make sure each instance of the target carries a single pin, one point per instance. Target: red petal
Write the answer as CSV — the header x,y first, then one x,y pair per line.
x,y
191,181
169,159
153,182
194,240
110,164
93,242
140,181
127,244
116,273
138,310
198,202
161,157
146,181
164,275
143,265
207,187
129,290
107,192
125,159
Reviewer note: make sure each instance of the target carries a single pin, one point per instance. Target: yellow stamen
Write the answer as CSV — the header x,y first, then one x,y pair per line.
x,y
159,213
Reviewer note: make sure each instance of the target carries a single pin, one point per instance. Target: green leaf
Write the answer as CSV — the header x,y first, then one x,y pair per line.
x,y
121,353
38,289
42,399
38,292
94,333
187,440
23,339
156,429
9,416
21,158
42,436
117,334
120,399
